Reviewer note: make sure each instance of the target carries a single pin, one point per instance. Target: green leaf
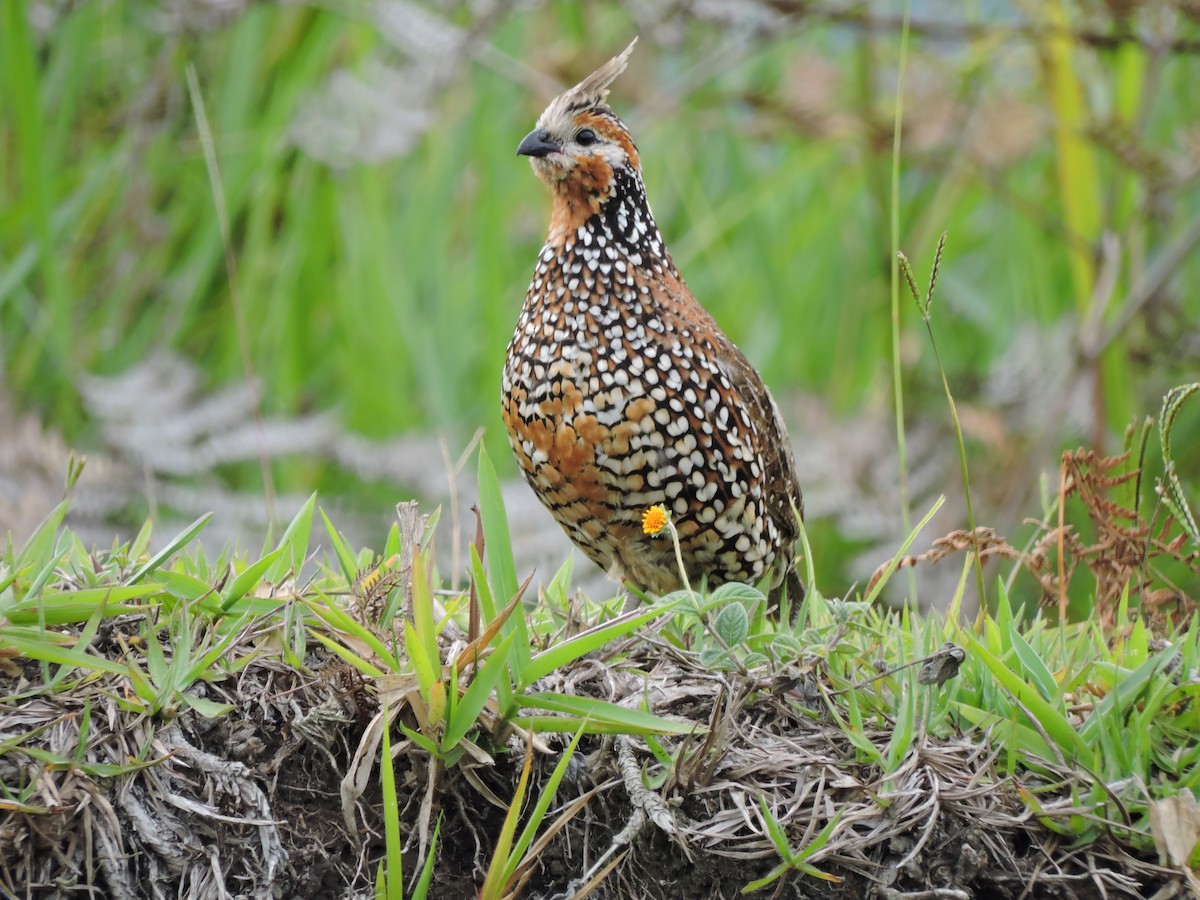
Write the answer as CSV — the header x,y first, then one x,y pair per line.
x,y
427,670
732,624
141,544
337,619
249,579
391,547
1126,692
84,640
195,669
34,647
603,713
487,609
63,607
6,583
1033,665
793,859
419,739
498,549
183,586
900,742
854,730
156,660
467,710
1051,719
495,881
902,551
44,574
40,545
295,542
393,856
497,543
342,550
210,709
775,831
349,656
421,633
176,543
546,796
735,592
421,891
558,656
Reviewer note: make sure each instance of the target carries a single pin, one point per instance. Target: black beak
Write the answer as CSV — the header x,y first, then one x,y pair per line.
x,y
538,143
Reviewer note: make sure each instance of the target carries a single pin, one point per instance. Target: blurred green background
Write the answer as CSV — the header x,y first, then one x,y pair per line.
x,y
335,314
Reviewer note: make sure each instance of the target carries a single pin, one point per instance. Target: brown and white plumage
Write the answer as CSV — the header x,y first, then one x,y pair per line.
x,y
621,392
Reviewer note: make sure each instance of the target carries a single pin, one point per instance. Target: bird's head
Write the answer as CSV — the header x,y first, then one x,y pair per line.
x,y
579,144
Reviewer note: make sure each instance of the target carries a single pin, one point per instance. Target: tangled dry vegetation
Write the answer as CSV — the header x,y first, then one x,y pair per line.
x,y
249,804
1151,557
154,746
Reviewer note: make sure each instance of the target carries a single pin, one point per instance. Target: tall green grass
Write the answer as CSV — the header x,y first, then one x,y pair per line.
x,y
388,290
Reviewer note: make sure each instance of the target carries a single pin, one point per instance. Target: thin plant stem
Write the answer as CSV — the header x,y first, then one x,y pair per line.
x,y
679,560
897,368
235,296
927,317
703,613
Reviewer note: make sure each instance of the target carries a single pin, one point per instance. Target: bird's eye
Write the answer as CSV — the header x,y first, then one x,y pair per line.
x,y
585,137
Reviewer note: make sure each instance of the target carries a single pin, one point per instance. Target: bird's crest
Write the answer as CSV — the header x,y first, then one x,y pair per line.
x,y
590,93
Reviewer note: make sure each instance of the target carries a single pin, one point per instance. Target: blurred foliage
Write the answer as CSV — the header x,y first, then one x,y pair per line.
x,y
381,233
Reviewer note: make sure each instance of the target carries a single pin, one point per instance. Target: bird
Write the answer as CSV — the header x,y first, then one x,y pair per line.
x,y
621,394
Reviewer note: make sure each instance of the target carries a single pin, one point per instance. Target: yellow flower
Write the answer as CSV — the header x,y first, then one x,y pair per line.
x,y
654,520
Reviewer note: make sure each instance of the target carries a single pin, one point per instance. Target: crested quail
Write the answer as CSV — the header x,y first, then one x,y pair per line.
x,y
620,392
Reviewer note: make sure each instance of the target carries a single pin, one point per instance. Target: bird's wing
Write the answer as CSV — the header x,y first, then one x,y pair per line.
x,y
675,300
779,465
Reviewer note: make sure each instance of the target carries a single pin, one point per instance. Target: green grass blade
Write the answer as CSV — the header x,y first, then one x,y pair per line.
x,y
421,890
1033,666
173,546
294,542
895,560
775,831
546,796
487,608
601,712
497,541
349,656
250,578
67,607
41,543
210,709
181,585
421,632
427,669
1049,717
475,697
341,549
494,882
34,647
393,856
498,548
559,655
